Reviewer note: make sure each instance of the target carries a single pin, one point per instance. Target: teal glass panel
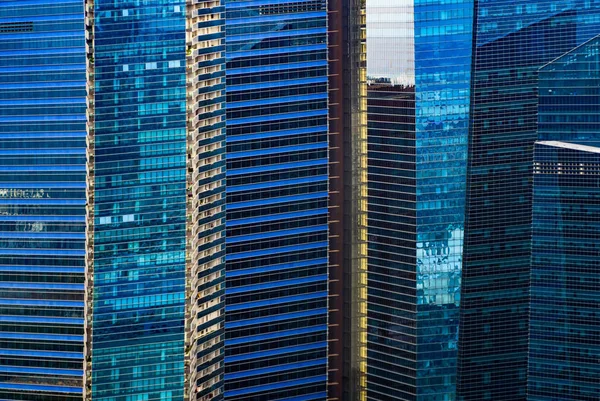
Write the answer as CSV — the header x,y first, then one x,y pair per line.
x,y
564,310
565,292
140,200
513,39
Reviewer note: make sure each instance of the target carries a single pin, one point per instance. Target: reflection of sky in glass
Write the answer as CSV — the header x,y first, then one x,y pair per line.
x,y
390,40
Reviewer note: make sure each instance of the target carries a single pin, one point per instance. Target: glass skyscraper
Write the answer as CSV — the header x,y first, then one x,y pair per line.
x,y
565,312
156,171
277,200
513,40
299,200
418,72
565,306
42,199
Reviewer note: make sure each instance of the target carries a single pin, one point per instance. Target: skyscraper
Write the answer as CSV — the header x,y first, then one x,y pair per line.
x,y
42,199
565,323
156,180
114,253
418,71
154,246
563,334
513,40
277,200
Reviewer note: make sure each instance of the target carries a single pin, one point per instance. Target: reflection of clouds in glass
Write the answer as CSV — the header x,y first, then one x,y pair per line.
x,y
390,41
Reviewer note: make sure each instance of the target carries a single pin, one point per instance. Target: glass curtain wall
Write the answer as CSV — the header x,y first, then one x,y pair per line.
x,y
42,199
513,40
277,200
418,72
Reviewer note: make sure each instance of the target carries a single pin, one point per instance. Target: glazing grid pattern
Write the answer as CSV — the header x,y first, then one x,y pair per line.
x,y
140,200
565,318
277,182
513,40
569,89
418,111
565,312
42,199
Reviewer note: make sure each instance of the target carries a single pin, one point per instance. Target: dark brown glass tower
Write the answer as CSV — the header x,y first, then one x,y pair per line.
x,y
347,186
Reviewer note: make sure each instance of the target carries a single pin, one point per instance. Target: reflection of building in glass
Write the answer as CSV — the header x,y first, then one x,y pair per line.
x,y
513,41
277,200
417,134
399,149
565,293
42,199
156,201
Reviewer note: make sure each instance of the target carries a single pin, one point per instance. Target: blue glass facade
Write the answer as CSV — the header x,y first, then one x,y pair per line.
x,y
419,72
42,199
277,202
568,100
565,306
513,41
157,176
564,314
443,76
455,103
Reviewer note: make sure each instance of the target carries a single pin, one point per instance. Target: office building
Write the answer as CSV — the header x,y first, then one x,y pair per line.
x,y
512,40
42,199
154,247
277,200
568,105
379,197
564,323
156,181
347,331
563,335
418,74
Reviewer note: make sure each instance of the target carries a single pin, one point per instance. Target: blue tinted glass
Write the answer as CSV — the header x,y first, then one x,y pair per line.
x,y
42,199
514,39
139,201
418,63
564,289
277,242
565,324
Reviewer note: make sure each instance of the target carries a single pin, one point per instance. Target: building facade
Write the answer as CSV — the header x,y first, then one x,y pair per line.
x,y
156,181
277,200
330,232
564,323
568,96
418,74
42,199
563,340
512,40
